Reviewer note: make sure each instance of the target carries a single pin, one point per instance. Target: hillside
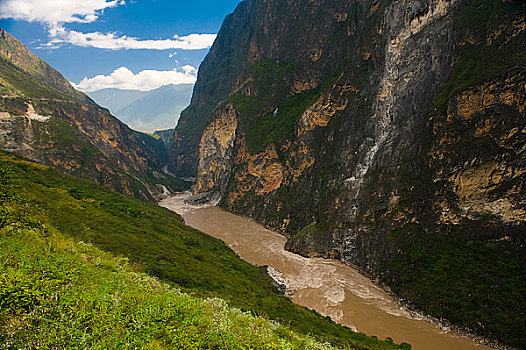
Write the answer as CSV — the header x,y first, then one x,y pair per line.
x,y
42,117
146,111
76,252
103,303
19,55
392,137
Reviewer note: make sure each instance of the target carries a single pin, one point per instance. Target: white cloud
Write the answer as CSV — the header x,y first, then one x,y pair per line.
x,y
60,35
188,69
124,79
56,11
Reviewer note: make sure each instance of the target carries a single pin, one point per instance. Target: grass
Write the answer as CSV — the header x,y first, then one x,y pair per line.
x,y
154,240
57,293
15,81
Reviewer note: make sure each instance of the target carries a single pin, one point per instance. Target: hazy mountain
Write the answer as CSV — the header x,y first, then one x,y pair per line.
x,y
146,110
115,99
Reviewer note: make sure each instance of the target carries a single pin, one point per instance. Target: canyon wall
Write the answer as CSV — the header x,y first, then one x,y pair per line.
x,y
388,134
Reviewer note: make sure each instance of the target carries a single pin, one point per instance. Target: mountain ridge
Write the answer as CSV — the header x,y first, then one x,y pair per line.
x,y
20,56
47,120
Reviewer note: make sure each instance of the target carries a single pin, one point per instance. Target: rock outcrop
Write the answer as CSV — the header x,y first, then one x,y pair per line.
x,y
388,134
216,152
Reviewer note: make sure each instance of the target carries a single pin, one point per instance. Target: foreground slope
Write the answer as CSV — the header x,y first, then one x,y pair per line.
x,y
392,136
44,212
44,118
102,303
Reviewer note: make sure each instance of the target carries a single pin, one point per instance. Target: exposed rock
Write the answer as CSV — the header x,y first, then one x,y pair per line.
x,y
282,284
392,135
209,198
216,152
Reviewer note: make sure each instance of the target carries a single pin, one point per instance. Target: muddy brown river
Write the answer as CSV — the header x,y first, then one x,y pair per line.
x,y
327,286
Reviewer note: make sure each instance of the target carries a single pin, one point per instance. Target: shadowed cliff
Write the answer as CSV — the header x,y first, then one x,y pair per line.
x,y
388,134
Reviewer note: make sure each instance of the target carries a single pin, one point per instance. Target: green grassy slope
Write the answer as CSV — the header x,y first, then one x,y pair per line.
x,y
50,211
13,80
78,296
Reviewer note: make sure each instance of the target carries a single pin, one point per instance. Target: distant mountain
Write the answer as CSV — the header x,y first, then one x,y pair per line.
x,y
146,110
44,118
115,99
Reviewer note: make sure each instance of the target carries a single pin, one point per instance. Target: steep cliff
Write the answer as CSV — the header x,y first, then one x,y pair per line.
x,y
388,134
44,118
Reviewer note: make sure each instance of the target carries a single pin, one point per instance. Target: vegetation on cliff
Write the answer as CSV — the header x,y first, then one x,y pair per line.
x,y
56,291
485,53
411,155
475,284
472,272
263,123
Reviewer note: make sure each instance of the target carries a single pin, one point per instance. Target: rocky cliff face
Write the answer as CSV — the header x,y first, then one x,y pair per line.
x,y
388,134
43,118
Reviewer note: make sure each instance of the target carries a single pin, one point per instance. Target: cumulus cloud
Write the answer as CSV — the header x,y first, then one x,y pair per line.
x,y
124,79
56,11
60,35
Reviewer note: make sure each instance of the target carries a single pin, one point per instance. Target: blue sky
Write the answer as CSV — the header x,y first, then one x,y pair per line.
x,y
132,44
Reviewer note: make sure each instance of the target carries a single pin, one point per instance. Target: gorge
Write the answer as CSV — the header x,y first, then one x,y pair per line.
x,y
366,158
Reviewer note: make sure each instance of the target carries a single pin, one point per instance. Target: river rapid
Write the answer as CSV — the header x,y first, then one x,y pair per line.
x,y
328,286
